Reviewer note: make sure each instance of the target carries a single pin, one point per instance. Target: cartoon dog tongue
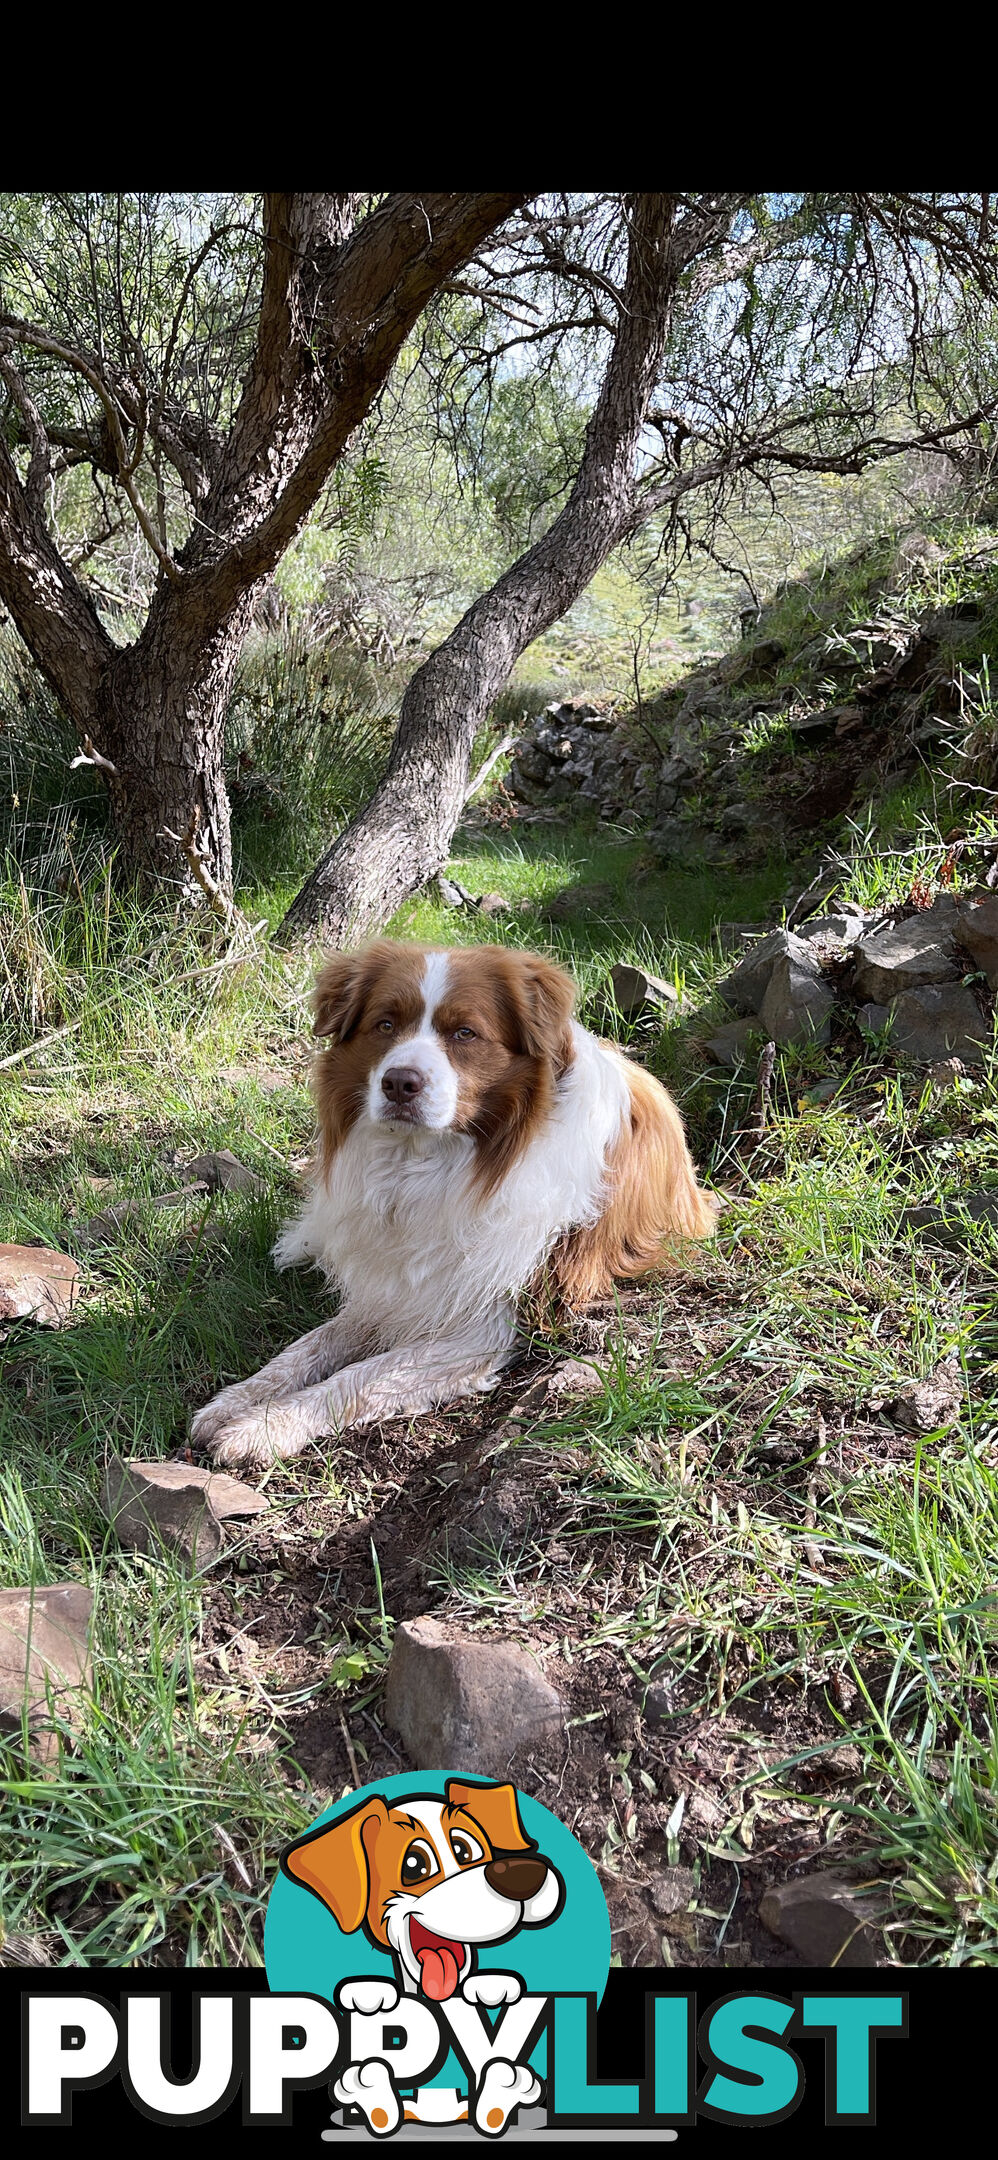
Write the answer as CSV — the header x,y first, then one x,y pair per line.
x,y
439,1961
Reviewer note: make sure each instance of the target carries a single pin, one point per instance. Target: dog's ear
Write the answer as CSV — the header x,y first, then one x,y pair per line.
x,y
494,1806
333,1863
545,998
338,997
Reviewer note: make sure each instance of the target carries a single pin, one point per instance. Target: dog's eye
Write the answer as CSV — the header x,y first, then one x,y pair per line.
x,y
386,1027
419,1863
466,1850
464,1034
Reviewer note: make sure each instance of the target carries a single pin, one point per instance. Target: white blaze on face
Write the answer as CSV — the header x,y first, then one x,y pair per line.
x,y
422,1052
459,1911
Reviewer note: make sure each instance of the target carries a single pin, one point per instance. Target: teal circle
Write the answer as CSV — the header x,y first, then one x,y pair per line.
x,y
306,1951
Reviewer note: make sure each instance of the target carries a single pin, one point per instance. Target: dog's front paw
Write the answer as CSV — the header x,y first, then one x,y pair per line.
x,y
264,1436
504,2087
368,2086
367,1996
222,1410
492,1988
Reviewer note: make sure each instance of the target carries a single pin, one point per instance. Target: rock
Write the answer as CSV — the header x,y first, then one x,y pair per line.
x,y
44,1658
494,903
635,992
556,746
734,936
177,1505
745,988
930,1405
823,1920
940,1021
906,956
833,929
570,1377
37,1284
223,1172
873,1019
947,1221
798,1006
659,1703
730,1044
977,930
462,1704
673,1890
453,893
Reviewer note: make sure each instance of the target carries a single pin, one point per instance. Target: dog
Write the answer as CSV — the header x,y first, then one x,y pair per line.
x,y
431,1883
475,1142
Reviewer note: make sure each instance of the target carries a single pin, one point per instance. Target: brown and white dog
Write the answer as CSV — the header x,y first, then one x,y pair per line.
x,y
432,1882
474,1141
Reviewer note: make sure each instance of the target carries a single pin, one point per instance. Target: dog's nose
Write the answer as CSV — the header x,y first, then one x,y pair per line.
x,y
402,1083
519,1876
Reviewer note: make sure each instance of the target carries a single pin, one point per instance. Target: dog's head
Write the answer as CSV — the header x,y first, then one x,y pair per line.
x,y
468,1041
431,1880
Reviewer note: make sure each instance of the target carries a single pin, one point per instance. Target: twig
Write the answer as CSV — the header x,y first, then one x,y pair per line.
x,y
193,855
348,1744
490,763
42,1043
756,1125
89,756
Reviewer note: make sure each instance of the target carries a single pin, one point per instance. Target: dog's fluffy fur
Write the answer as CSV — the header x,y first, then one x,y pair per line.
x,y
474,1141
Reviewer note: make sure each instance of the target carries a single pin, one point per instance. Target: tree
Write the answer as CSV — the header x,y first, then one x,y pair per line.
x,y
214,383
744,339
207,363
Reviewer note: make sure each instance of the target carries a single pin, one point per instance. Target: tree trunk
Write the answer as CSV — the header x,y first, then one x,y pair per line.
x,y
403,836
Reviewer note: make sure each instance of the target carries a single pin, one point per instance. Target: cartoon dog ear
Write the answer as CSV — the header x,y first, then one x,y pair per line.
x,y
333,1863
494,1806
338,996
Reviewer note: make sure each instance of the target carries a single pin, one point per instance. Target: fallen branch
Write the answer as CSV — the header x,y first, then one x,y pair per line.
x,y
43,1043
194,857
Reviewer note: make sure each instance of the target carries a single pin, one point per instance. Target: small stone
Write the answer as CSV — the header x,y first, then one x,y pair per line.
x,y
730,1044
873,1019
176,1506
223,1172
635,992
822,1919
659,1703
940,1021
570,1377
944,1074
577,900
798,1006
465,1704
930,1405
37,1284
673,1890
906,956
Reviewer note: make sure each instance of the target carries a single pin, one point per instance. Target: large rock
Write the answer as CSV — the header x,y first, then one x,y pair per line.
x,y
906,956
462,1704
798,1005
745,988
730,1044
977,931
36,1284
945,1223
822,1919
943,1020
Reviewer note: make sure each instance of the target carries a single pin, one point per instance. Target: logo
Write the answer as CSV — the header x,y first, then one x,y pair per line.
x,y
438,1915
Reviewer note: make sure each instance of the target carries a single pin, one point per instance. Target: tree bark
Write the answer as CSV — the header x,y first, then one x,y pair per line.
x,y
404,834
337,303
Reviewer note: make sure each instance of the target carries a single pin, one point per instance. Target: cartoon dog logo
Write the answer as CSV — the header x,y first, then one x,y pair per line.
x,y
431,1882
